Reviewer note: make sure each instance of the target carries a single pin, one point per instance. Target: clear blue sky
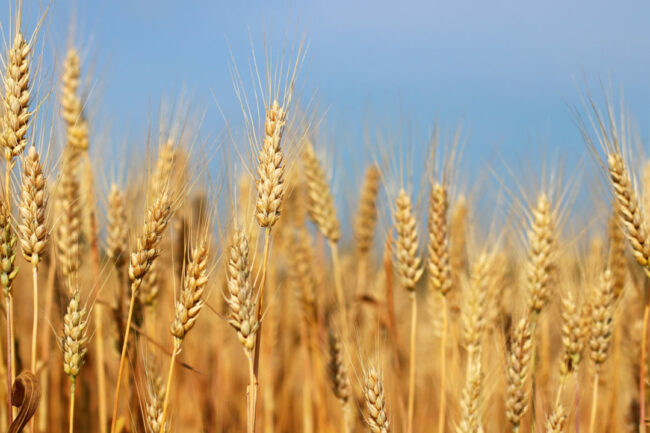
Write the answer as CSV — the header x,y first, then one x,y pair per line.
x,y
507,69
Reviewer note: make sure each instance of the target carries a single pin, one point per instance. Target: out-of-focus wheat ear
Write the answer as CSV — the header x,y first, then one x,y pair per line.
x,y
270,168
320,201
540,268
373,392
556,420
617,262
339,377
16,114
573,334
458,239
438,263
518,361
75,339
69,226
409,263
33,206
70,101
117,241
628,209
474,308
366,218
602,316
154,402
470,421
302,262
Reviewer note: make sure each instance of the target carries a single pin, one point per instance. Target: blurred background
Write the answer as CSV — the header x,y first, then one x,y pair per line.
x,y
508,71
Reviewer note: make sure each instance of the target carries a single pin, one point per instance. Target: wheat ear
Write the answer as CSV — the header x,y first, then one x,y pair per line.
x,y
602,315
366,222
146,251
242,315
75,339
373,392
518,363
188,308
32,208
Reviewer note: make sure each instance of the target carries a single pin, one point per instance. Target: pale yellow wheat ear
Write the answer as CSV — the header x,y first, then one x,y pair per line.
x,y
32,209
16,98
409,262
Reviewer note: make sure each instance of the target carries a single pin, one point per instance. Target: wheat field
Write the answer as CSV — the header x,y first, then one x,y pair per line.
x,y
158,295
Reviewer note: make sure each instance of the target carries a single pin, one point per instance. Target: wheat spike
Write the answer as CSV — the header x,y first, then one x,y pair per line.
x,y
321,202
408,262
337,371
474,313
540,266
438,246
628,209
518,361
16,115
270,168
373,391
470,403
33,204
8,269
146,250
366,219
69,226
117,240
240,297
602,312
572,334
191,297
154,403
555,422
75,327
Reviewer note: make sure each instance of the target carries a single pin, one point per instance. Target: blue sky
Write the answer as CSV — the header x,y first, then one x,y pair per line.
x,y
506,69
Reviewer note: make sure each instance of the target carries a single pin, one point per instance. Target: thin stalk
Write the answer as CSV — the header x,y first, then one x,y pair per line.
x,y
9,380
646,312
73,386
35,322
45,345
338,286
594,404
260,303
251,395
411,398
533,376
443,364
122,360
169,383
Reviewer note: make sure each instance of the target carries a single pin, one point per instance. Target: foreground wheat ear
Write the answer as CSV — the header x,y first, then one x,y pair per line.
x,y
188,308
373,392
146,251
33,232
75,339
518,361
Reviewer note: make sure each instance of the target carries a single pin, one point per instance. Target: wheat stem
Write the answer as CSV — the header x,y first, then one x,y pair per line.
x,y
443,365
411,396
646,313
338,286
260,304
73,386
594,404
169,383
9,381
35,320
251,395
122,360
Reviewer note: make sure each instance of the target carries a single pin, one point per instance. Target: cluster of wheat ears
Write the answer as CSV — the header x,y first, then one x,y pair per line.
x,y
170,309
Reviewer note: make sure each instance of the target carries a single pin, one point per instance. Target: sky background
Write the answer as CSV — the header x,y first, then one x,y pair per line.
x,y
508,70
